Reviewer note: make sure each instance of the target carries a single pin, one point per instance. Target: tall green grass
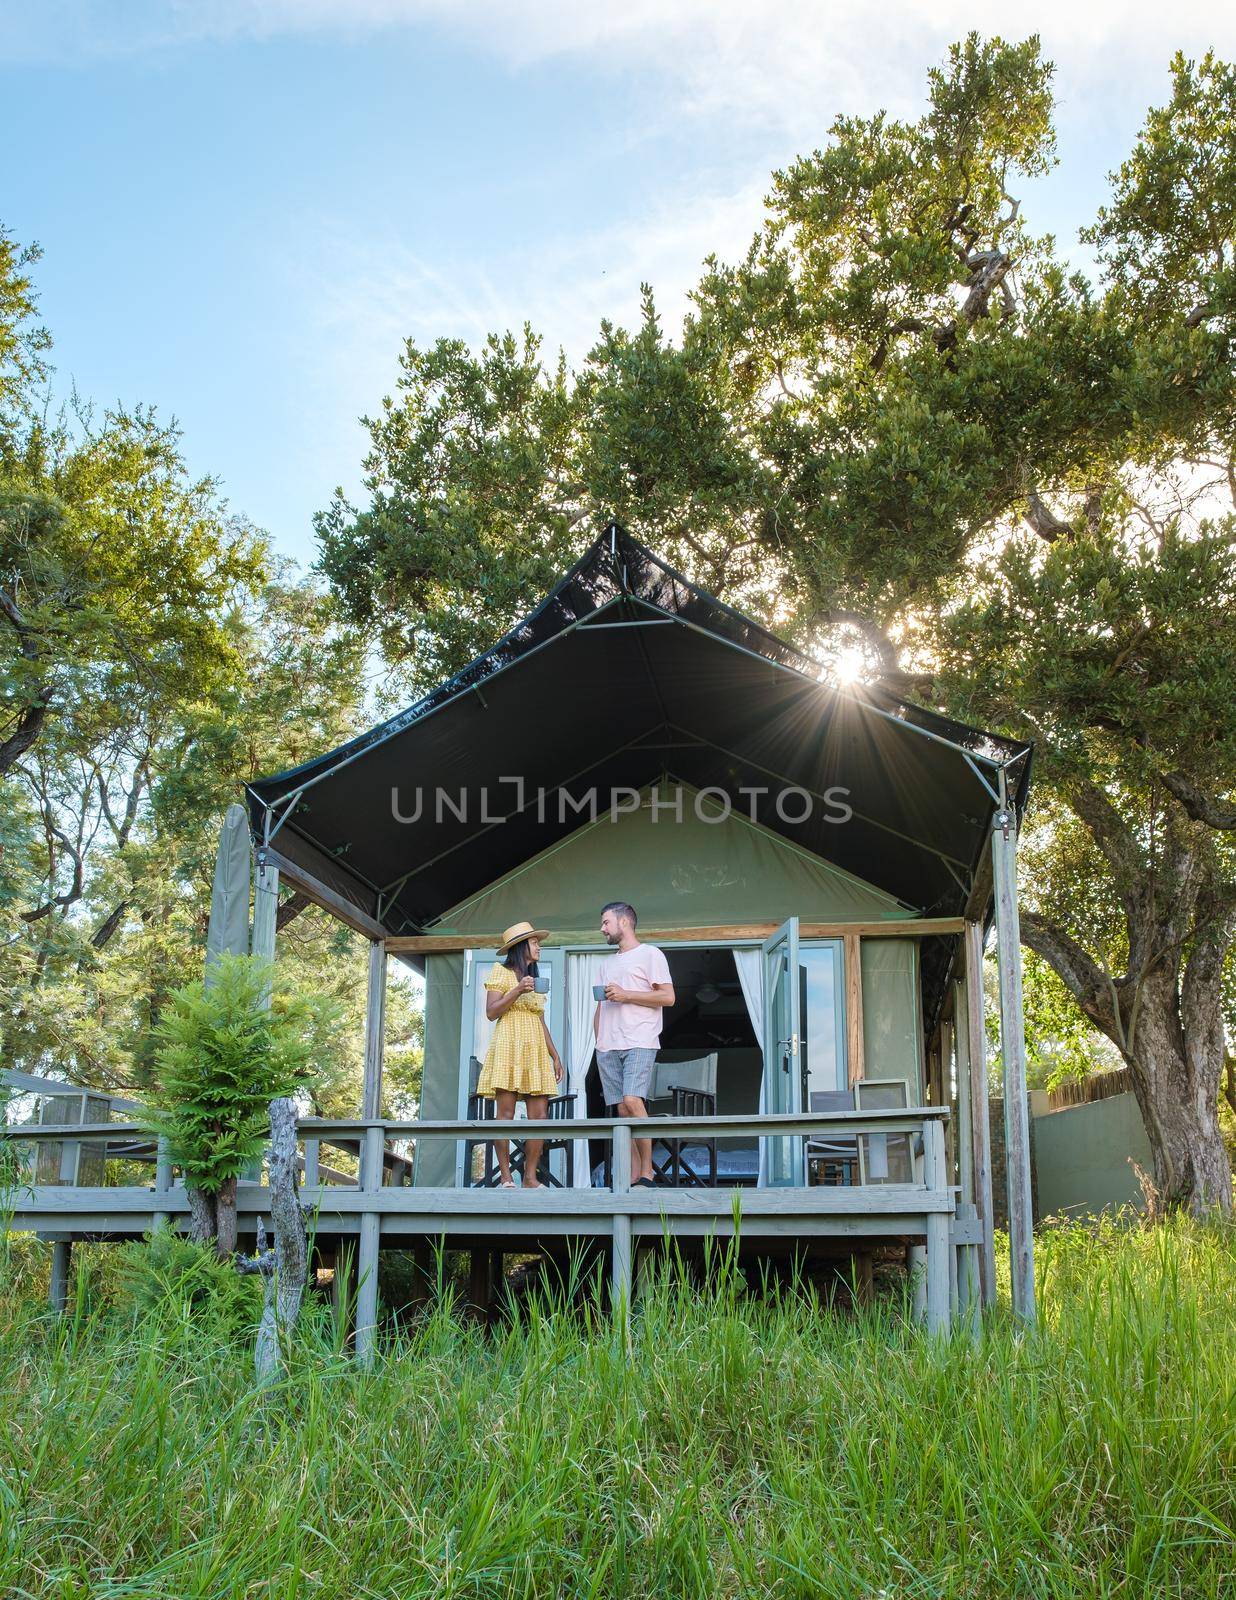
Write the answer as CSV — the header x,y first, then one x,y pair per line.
x,y
738,1445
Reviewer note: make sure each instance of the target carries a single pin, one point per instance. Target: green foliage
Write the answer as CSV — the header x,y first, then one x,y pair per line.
x,y
169,1277
900,420
741,1446
224,1055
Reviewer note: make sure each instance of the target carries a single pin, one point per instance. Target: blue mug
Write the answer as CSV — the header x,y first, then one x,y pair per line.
x,y
541,985
598,991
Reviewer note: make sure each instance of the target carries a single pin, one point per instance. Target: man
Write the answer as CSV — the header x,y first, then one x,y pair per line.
x,y
627,1024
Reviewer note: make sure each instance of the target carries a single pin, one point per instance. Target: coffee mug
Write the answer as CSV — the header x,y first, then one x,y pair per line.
x,y
598,991
541,985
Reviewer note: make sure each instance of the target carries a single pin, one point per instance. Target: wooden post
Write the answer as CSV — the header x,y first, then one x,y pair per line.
x,y
370,1233
480,1281
375,1030
980,1114
1013,1054
620,1292
855,1054
948,1098
964,1125
58,1291
939,1245
916,1265
163,1180
265,909
313,1158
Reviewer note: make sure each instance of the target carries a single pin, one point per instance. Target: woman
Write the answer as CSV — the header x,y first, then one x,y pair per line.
x,y
521,1062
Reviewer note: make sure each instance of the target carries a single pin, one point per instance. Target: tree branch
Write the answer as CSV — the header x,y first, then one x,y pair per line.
x,y
1198,804
1085,979
1039,519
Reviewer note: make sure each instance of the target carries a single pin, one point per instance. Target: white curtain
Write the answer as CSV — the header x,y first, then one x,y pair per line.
x,y
582,971
750,964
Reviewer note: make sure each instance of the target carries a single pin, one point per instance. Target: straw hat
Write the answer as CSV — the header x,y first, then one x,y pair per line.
x,y
519,931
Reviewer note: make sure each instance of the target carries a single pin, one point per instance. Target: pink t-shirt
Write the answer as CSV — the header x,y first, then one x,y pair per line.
x,y
626,1027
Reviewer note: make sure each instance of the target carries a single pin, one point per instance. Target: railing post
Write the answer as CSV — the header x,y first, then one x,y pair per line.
x,y
621,1178
370,1234
163,1181
938,1243
313,1152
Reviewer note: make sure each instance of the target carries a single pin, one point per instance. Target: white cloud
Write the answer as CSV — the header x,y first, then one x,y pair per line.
x,y
786,63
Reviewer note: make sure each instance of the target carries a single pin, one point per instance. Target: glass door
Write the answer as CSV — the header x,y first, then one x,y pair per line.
x,y
781,1163
476,1030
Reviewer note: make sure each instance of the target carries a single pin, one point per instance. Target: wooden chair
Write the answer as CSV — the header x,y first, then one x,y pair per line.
x,y
560,1108
691,1089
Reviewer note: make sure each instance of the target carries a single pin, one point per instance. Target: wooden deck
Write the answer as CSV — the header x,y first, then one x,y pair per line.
x,y
377,1212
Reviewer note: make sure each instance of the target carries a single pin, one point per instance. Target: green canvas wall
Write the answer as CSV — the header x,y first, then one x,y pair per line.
x,y
892,1013
435,1159
687,874
684,874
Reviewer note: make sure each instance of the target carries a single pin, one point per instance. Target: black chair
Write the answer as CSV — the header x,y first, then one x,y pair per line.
x,y
560,1108
691,1089
832,1159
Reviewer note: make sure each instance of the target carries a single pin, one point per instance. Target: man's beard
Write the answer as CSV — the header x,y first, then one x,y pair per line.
x,y
613,938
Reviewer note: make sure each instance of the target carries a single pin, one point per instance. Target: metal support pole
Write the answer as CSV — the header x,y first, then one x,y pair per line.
x,y
621,1169
370,1234
1013,1053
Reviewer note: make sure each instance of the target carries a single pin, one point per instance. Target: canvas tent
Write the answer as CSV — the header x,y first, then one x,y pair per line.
x,y
626,675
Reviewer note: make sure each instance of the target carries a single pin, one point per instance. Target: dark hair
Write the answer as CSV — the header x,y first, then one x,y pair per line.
x,y
621,909
518,961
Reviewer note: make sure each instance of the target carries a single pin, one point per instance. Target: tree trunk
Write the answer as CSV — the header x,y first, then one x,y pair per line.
x,y
1169,1028
203,1216
225,1206
287,1218
1177,1090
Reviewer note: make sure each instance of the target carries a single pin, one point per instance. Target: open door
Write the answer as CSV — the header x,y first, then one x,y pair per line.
x,y
782,1161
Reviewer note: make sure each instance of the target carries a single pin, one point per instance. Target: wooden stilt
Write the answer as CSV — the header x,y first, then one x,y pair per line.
x,y
480,1281
367,1259
1013,1054
939,1246
916,1266
61,1259
621,1279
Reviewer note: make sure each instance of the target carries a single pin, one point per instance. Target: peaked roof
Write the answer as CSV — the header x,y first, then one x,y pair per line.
x,y
626,673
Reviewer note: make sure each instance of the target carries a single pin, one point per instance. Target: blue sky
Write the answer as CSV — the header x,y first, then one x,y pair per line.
x,y
246,205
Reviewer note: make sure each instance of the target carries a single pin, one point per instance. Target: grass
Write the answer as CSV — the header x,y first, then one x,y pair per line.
x,y
741,1446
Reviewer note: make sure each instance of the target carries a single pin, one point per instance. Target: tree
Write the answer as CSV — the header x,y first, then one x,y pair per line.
x,y
224,1055
900,422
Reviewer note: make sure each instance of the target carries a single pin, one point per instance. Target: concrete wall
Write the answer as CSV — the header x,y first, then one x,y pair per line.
x,y
1082,1156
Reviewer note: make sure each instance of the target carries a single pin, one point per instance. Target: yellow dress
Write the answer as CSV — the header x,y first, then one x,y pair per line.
x,y
518,1058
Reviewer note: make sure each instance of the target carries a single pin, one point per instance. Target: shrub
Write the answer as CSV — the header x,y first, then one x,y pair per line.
x,y
169,1273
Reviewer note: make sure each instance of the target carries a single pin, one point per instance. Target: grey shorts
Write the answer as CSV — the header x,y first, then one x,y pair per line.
x,y
625,1072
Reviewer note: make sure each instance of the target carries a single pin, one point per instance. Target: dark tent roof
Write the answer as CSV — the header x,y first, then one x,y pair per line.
x,y
628,673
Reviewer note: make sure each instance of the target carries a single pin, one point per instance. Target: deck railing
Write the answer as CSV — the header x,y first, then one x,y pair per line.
x,y
374,1206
